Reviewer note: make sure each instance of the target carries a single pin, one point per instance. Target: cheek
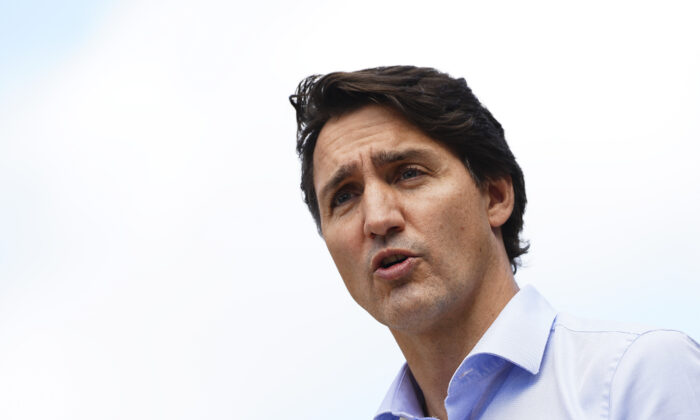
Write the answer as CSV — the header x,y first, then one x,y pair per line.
x,y
454,227
339,255
349,266
442,214
346,256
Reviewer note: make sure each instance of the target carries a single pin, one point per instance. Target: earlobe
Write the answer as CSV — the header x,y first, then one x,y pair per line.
x,y
501,200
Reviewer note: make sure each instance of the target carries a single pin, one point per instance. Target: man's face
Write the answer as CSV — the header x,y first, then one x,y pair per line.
x,y
404,221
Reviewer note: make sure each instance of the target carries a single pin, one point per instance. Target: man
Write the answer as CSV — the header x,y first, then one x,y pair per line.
x,y
420,202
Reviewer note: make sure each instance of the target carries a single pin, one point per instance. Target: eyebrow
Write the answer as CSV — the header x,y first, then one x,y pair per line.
x,y
380,159
384,158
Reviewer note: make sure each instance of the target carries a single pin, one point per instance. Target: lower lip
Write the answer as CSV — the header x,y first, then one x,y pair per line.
x,y
396,271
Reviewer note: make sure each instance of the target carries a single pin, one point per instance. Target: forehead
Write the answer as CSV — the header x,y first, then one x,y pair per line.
x,y
370,125
354,137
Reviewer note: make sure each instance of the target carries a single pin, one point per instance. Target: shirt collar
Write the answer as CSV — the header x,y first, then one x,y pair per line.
x,y
401,399
519,335
520,332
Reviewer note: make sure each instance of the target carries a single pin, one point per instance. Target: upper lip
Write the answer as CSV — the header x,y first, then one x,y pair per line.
x,y
377,259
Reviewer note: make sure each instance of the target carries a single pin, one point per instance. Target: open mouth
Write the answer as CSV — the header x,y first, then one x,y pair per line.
x,y
393,265
391,260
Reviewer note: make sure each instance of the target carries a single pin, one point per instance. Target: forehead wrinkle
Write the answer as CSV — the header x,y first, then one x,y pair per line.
x,y
339,131
336,141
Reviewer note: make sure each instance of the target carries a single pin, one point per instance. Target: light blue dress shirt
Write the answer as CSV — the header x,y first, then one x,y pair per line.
x,y
533,363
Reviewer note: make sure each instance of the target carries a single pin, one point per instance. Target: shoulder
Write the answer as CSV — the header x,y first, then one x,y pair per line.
x,y
575,325
657,376
634,350
664,345
641,372
658,357
594,343
623,341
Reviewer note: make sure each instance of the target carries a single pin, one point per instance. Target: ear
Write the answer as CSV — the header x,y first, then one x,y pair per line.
x,y
501,199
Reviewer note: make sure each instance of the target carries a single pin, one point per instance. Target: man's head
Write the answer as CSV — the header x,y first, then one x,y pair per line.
x,y
414,238
440,106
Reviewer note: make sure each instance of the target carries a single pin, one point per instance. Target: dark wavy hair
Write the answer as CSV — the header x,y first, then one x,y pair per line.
x,y
443,107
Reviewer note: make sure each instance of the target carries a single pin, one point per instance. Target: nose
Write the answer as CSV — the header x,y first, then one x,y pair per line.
x,y
382,212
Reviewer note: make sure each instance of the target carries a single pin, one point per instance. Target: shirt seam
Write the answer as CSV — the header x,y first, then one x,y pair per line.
x,y
622,356
609,331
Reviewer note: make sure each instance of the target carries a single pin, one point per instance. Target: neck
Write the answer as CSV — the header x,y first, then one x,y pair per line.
x,y
434,355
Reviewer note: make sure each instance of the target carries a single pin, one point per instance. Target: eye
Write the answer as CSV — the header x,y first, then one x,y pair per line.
x,y
340,198
408,173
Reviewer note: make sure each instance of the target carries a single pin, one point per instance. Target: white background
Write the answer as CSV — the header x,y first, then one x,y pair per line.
x,y
156,259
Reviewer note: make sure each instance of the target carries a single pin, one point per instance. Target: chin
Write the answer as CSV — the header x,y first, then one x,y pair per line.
x,y
412,312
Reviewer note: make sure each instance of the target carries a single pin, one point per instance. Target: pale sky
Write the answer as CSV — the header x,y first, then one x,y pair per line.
x,y
156,259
